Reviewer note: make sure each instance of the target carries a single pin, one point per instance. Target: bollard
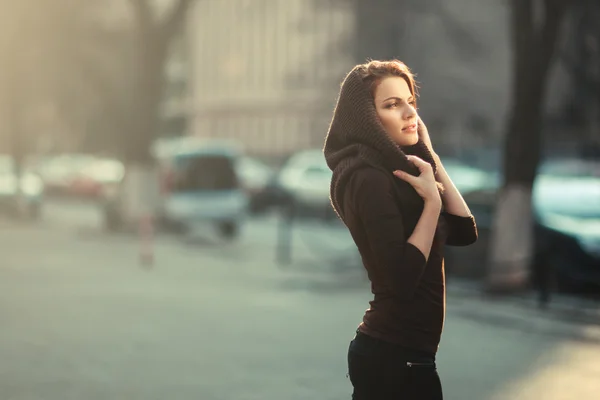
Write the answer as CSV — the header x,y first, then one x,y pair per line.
x,y
287,214
146,235
545,279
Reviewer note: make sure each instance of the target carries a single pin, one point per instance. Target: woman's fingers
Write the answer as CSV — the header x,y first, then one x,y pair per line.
x,y
406,177
416,160
424,184
420,163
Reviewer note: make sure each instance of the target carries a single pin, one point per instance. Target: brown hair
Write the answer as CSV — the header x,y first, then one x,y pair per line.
x,y
373,72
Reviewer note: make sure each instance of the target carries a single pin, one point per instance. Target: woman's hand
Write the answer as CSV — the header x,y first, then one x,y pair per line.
x,y
424,184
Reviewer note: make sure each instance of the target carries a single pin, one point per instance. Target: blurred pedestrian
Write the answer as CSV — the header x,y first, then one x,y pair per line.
x,y
401,207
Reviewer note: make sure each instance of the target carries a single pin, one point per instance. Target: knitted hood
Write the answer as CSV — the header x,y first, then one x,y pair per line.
x,y
356,138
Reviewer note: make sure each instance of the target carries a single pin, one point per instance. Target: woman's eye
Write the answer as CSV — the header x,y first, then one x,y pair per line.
x,y
392,105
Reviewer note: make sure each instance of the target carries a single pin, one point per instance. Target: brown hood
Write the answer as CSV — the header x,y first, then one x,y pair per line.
x,y
356,138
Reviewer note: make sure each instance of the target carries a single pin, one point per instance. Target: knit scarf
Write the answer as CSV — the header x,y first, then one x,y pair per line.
x,y
356,138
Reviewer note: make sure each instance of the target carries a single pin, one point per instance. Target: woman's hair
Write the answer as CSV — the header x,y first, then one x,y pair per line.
x,y
373,72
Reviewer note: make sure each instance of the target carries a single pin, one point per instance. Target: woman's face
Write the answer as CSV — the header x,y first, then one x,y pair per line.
x,y
395,107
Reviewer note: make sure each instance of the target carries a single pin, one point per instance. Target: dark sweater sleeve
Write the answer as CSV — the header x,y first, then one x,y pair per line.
x,y
401,262
462,231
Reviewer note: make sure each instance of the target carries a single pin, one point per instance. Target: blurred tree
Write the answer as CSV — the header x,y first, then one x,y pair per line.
x,y
39,81
154,26
91,62
44,78
581,57
30,52
535,28
153,30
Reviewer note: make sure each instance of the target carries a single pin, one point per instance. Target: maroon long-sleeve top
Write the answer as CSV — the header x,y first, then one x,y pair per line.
x,y
409,290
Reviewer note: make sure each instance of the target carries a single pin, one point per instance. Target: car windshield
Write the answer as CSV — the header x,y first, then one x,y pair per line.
x,y
205,172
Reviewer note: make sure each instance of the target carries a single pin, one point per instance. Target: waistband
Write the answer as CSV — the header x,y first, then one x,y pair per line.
x,y
363,343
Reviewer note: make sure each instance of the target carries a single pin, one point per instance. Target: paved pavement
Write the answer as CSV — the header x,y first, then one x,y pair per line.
x,y
83,320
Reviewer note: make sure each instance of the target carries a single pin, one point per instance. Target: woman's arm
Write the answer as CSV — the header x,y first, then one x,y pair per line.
x,y
402,259
426,186
452,200
422,236
462,230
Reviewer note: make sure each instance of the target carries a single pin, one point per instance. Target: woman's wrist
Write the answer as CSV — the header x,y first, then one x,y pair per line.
x,y
434,203
441,174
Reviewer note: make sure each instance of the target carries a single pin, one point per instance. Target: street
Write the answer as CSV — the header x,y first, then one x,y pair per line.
x,y
81,319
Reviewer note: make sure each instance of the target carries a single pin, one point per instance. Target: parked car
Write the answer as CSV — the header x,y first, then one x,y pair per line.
x,y
566,207
62,173
468,178
258,180
93,177
566,201
200,184
305,179
30,186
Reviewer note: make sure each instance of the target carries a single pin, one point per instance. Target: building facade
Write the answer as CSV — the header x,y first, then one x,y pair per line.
x,y
266,72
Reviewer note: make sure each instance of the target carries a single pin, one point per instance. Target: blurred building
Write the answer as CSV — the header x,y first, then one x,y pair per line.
x,y
267,72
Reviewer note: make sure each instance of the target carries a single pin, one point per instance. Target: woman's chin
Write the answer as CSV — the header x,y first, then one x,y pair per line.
x,y
407,140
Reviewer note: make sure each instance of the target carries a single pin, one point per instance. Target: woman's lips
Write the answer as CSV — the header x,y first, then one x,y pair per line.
x,y
410,128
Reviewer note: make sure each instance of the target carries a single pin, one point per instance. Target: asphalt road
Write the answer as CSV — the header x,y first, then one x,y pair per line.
x,y
81,319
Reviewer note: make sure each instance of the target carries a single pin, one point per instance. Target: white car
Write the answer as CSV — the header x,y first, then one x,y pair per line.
x,y
467,178
30,186
254,175
199,184
306,178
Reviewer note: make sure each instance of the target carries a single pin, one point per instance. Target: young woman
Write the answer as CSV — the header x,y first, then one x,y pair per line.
x,y
401,208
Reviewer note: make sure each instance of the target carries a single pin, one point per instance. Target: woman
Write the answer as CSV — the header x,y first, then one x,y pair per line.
x,y
401,208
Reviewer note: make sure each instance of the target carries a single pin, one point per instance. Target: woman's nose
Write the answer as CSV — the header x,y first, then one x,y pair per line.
x,y
408,112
